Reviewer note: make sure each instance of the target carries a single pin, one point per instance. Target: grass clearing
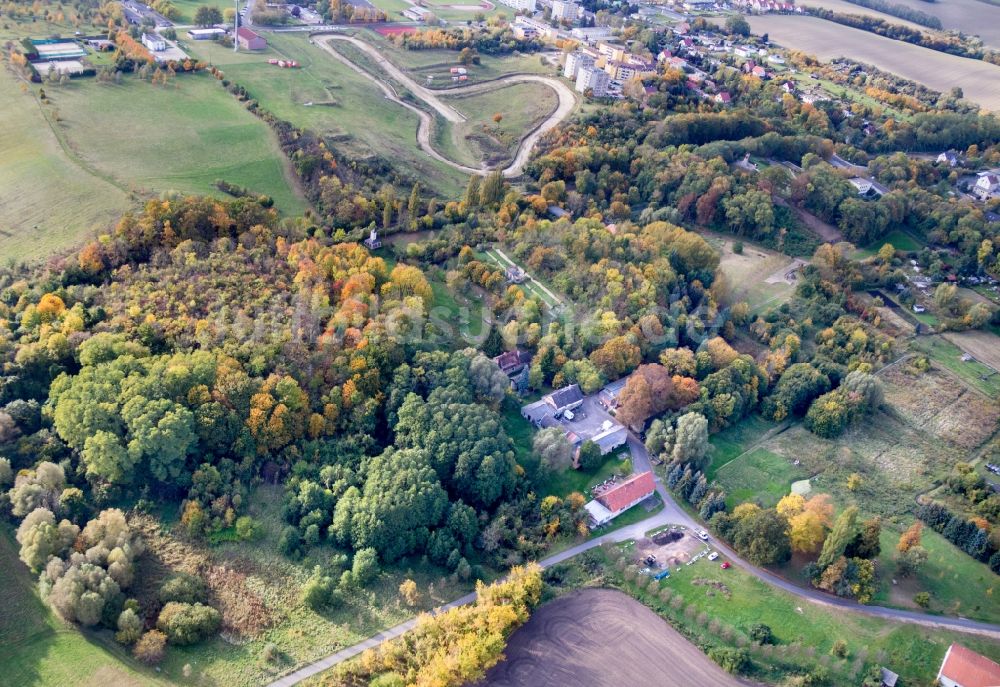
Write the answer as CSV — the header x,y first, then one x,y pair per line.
x,y
957,583
50,201
180,137
748,273
327,97
36,648
827,40
759,475
735,440
948,355
900,240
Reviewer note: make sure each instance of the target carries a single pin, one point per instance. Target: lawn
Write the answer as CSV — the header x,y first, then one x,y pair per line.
x,y
735,440
459,317
900,240
180,137
51,201
188,8
957,583
748,273
36,648
566,482
949,356
715,607
327,97
759,475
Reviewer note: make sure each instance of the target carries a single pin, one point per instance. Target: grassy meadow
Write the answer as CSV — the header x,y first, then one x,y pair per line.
x,y
329,98
826,40
38,649
181,137
51,200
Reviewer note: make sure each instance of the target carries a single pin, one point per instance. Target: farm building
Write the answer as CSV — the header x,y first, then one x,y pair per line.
x,y
154,42
867,187
987,185
619,498
55,49
609,395
206,34
249,40
965,668
611,436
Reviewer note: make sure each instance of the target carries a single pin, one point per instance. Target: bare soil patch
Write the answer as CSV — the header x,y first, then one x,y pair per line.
x,y
601,637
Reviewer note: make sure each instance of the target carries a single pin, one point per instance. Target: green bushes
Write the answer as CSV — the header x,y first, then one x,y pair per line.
x,y
185,623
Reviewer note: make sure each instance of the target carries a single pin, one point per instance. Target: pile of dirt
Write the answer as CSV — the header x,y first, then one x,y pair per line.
x,y
714,584
667,537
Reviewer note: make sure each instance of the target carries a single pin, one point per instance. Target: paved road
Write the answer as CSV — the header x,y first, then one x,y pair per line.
x,y
672,514
566,97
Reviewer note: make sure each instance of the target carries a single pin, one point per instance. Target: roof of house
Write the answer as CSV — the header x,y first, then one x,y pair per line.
x,y
156,38
509,361
628,492
889,678
246,34
609,438
597,511
969,669
568,395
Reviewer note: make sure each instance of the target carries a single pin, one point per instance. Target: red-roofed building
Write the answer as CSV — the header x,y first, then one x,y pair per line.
x,y
965,668
618,499
250,40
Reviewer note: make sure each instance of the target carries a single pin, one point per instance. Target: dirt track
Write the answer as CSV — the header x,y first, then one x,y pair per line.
x,y
567,100
602,637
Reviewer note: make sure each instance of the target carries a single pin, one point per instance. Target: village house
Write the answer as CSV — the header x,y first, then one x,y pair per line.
x,y
963,667
250,40
950,157
987,185
515,365
867,187
619,498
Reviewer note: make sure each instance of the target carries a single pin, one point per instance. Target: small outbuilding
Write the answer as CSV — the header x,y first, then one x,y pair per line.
x,y
250,40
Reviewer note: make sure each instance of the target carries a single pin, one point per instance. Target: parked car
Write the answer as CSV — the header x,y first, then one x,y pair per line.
x,y
712,556
702,534
726,565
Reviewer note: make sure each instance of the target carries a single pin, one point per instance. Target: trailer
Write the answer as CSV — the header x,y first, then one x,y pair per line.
x,y
662,575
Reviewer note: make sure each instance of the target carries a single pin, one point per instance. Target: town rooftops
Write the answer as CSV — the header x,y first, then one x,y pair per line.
x,y
629,492
967,668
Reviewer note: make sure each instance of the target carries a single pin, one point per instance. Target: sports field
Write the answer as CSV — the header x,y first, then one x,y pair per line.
x,y
49,200
979,80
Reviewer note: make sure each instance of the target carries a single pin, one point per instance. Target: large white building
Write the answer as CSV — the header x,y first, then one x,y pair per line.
x,y
565,10
575,61
593,78
522,5
154,42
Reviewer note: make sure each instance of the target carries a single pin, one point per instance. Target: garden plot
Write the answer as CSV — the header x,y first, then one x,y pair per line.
x,y
936,403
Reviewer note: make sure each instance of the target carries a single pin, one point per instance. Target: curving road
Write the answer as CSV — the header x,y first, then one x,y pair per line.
x,y
567,101
672,514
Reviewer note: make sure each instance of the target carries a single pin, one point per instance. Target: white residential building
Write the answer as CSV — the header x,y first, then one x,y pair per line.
x,y
154,42
565,10
528,6
593,78
575,61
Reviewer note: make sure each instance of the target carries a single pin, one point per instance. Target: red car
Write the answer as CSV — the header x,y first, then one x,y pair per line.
x,y
726,565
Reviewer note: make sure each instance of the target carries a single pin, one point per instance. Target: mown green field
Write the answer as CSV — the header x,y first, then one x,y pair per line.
x,y
188,8
50,200
38,649
759,475
181,137
900,240
327,97
948,355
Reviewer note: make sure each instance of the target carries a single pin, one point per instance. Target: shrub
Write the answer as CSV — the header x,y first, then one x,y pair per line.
x,y
735,661
129,627
151,647
922,599
186,623
183,588
320,590
761,633
839,649
365,567
247,528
